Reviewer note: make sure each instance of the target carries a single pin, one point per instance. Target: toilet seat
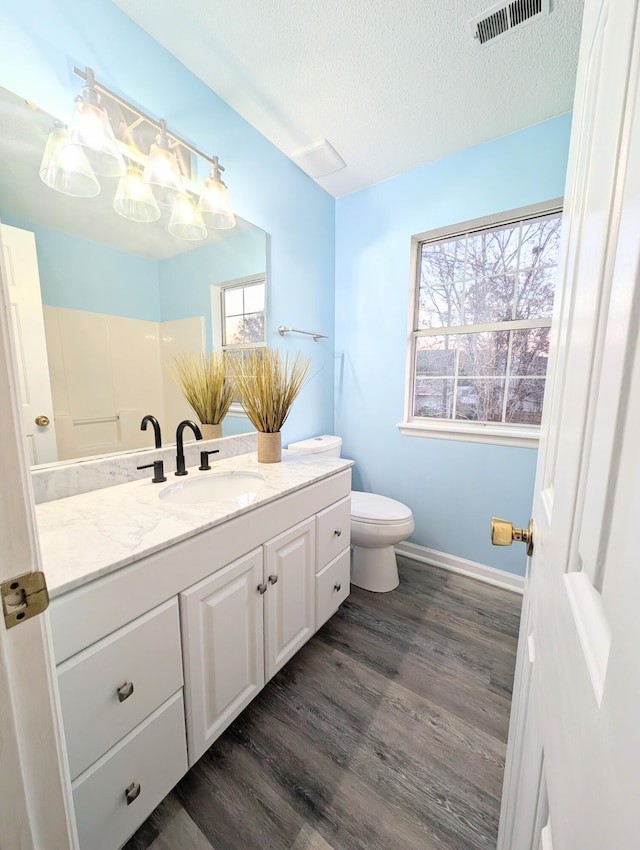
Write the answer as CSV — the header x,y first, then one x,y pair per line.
x,y
370,508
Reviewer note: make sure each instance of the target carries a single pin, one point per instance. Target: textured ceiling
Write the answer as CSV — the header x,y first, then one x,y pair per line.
x,y
391,84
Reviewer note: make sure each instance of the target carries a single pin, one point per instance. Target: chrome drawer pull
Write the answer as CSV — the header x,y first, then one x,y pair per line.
x,y
337,586
125,691
132,792
262,588
337,532
273,579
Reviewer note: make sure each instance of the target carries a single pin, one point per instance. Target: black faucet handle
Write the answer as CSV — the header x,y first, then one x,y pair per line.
x,y
158,471
204,459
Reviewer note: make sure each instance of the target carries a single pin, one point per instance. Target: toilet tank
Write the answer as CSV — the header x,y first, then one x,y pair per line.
x,y
326,445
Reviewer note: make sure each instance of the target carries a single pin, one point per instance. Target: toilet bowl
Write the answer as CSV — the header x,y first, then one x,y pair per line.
x,y
377,524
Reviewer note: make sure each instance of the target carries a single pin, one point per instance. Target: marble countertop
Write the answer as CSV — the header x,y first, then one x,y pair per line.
x,y
91,534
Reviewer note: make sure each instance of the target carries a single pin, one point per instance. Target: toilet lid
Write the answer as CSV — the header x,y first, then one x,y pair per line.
x,y
369,507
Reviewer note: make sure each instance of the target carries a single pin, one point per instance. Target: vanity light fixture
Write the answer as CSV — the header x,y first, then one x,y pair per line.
x,y
186,221
134,199
162,171
155,174
214,201
66,168
90,130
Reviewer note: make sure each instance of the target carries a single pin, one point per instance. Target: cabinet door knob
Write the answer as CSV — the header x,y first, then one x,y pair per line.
x,y
337,532
131,792
125,691
273,579
262,588
337,586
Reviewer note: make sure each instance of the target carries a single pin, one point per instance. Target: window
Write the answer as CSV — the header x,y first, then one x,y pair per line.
x,y
481,322
243,313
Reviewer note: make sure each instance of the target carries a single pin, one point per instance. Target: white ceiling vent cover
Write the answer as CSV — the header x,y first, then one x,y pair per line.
x,y
318,159
500,19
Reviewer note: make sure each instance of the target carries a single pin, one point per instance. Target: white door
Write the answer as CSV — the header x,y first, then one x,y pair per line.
x,y
21,272
572,780
223,648
290,574
35,792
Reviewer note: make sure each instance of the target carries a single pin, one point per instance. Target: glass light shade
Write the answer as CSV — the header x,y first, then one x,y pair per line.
x,y
134,199
91,130
186,222
214,205
66,168
162,173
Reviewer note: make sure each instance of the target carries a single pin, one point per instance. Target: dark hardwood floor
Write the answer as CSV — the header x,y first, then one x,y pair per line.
x,y
387,731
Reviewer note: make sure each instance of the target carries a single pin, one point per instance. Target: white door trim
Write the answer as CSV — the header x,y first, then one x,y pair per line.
x,y
36,810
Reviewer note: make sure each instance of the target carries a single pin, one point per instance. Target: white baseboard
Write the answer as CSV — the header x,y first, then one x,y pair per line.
x,y
489,575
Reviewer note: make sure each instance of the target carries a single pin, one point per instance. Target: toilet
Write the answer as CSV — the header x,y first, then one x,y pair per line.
x,y
377,524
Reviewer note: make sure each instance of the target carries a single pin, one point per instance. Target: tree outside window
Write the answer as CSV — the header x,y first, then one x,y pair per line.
x,y
243,314
482,318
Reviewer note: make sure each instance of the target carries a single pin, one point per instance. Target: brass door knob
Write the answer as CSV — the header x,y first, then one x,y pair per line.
x,y
503,534
43,421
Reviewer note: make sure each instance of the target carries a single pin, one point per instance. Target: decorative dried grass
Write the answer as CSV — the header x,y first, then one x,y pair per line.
x,y
268,382
204,383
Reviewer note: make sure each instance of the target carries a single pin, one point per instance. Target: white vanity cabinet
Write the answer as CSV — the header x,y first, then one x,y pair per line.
x,y
241,625
333,563
290,594
222,611
124,726
222,628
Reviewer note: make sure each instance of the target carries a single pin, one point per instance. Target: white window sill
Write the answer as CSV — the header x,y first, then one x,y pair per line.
x,y
514,435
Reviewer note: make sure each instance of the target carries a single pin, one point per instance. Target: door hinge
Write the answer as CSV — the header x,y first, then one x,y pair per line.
x,y
23,597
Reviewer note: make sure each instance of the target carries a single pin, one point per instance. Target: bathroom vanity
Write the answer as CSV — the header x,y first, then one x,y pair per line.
x,y
169,617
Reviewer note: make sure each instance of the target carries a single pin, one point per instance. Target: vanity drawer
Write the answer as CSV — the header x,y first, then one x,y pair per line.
x,y
96,714
333,531
153,757
332,587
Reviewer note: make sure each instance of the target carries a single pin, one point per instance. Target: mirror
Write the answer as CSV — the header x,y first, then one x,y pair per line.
x,y
107,302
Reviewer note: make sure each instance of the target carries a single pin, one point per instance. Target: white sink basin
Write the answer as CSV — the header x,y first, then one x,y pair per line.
x,y
241,487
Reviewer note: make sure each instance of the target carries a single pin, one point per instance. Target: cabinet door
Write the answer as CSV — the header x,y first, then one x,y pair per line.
x,y
223,647
290,596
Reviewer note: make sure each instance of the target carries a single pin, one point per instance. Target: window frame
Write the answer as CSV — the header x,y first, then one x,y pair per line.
x,y
218,316
501,433
218,313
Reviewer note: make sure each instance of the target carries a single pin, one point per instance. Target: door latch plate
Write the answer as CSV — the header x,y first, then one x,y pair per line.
x,y
23,597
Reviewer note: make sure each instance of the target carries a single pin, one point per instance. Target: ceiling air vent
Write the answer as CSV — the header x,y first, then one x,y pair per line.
x,y
503,17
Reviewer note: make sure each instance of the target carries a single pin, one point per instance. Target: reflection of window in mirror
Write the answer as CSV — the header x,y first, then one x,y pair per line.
x,y
239,317
241,322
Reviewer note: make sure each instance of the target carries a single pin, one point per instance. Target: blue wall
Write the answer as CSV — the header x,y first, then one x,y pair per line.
x,y
238,256
452,487
41,42
84,275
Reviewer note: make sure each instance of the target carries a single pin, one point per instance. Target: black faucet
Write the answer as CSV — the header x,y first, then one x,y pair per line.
x,y
187,423
156,428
